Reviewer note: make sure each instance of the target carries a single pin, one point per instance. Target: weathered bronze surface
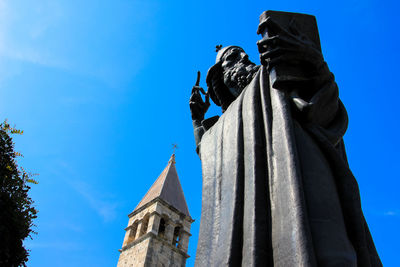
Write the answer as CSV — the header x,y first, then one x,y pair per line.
x,y
277,188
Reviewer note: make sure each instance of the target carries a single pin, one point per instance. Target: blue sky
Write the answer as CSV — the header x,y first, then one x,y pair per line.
x,y
101,90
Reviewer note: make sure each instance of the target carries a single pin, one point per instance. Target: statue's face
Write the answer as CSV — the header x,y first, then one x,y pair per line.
x,y
233,56
238,70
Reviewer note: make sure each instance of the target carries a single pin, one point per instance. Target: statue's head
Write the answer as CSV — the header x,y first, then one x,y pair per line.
x,y
231,73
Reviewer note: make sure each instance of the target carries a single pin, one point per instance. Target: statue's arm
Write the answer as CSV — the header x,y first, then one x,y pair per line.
x,y
319,104
198,131
315,96
198,108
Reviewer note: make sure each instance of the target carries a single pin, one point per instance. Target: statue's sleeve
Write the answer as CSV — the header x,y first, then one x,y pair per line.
x,y
322,109
201,127
198,131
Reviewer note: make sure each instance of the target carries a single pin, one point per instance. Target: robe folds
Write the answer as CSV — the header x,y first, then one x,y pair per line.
x,y
277,190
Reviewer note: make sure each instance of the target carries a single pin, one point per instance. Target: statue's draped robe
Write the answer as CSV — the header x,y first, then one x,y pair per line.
x,y
277,190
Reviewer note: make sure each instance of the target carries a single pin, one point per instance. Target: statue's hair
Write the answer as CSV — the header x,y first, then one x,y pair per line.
x,y
217,89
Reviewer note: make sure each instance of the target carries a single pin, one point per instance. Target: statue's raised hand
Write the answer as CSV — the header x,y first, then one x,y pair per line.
x,y
288,46
198,106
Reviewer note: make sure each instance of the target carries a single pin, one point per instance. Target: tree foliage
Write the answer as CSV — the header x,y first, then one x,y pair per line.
x,y
16,207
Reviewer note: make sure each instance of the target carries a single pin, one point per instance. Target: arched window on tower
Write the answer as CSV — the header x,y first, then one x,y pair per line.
x,y
145,224
132,233
177,237
161,228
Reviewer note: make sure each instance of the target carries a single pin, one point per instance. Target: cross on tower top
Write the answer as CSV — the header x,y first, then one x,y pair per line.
x,y
174,146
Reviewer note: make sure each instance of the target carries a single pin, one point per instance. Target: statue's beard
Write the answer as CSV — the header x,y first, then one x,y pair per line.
x,y
239,76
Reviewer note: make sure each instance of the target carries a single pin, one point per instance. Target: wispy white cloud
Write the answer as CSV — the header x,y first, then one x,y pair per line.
x,y
97,201
20,29
4,18
63,225
60,245
63,36
391,213
102,203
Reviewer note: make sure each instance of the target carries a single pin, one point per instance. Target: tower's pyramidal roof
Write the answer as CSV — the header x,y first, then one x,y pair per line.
x,y
168,188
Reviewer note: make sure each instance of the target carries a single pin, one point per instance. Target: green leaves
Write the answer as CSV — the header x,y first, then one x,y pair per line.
x,y
16,207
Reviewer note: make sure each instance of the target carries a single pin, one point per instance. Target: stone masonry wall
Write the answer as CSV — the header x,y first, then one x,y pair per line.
x,y
135,255
144,246
161,254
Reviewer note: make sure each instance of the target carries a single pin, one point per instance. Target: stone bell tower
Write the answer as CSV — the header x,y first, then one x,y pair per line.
x,y
159,228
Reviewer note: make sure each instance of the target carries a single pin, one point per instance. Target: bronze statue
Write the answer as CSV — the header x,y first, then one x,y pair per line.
x,y
277,189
